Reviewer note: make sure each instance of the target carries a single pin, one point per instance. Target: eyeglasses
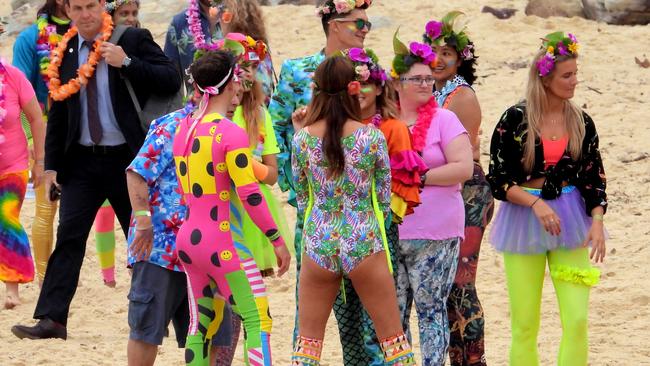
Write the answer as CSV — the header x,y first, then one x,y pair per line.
x,y
417,80
358,23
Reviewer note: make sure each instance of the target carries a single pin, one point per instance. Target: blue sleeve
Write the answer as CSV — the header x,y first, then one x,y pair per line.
x,y
156,154
25,58
281,107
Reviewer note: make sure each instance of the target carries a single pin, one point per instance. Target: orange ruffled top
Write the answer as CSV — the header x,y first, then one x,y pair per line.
x,y
406,168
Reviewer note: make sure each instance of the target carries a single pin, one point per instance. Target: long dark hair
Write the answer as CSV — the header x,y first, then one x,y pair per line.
x,y
467,68
49,8
332,103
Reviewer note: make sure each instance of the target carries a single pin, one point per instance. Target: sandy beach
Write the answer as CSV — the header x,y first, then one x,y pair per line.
x,y
614,90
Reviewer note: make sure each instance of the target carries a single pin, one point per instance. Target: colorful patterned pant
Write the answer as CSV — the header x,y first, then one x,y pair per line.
x,y
572,277
425,274
16,264
466,323
356,331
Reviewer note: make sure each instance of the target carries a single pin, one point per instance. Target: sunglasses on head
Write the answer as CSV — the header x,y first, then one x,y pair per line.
x,y
358,23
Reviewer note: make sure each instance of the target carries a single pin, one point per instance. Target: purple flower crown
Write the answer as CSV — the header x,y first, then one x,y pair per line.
x,y
556,44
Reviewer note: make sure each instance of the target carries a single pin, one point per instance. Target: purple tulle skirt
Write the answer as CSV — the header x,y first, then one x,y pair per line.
x,y
516,229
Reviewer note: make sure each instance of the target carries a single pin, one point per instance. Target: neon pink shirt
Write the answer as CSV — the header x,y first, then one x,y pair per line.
x,y
18,92
441,215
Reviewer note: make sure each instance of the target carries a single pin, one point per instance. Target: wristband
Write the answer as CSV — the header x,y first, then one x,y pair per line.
x,y
534,202
142,213
597,217
143,228
423,180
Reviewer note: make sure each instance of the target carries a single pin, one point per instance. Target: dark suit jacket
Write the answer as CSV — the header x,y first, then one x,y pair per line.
x,y
150,72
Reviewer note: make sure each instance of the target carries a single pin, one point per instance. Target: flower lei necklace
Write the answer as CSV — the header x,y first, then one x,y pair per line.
x,y
47,40
3,111
194,24
422,124
60,92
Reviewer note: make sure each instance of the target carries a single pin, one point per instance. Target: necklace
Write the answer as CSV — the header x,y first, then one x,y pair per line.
x,y
60,92
47,40
3,111
421,128
194,25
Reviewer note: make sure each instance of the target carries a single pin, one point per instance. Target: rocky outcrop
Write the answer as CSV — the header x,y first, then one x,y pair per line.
x,y
555,8
624,12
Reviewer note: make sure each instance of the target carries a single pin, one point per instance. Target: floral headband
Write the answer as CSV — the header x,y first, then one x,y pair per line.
x,y
244,47
112,6
556,44
341,7
407,57
366,65
443,33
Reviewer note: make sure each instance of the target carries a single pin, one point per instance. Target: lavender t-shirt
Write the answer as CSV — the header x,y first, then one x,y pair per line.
x,y
441,215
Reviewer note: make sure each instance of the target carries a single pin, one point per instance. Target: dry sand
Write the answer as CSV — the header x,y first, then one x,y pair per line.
x,y
613,90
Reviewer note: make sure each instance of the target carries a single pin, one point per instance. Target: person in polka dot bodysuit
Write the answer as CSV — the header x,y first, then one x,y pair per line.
x,y
210,151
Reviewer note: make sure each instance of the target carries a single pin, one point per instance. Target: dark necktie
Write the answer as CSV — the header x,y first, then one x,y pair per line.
x,y
94,124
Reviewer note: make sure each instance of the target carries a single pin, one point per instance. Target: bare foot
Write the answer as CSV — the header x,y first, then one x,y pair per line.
x,y
11,302
110,284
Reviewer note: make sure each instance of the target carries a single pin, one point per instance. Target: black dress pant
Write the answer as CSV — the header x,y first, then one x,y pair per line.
x,y
92,177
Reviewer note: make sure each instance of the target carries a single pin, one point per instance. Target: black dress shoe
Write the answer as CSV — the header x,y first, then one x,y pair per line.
x,y
44,329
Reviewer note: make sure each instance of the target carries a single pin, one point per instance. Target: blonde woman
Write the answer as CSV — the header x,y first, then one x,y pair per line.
x,y
546,167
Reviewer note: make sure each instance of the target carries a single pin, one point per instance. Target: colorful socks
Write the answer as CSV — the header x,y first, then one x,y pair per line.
x,y
307,352
397,351
105,242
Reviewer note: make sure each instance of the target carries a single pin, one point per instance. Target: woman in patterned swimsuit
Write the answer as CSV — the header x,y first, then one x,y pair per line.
x,y
341,173
211,152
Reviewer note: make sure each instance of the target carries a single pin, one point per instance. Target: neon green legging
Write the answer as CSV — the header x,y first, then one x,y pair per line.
x,y
572,277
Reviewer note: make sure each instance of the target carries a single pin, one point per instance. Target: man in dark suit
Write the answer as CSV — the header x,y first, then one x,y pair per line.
x,y
92,136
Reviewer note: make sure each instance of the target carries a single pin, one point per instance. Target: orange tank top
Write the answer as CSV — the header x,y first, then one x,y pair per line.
x,y
554,150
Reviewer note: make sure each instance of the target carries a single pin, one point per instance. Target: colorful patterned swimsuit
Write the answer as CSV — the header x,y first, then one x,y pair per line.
x,y
208,158
342,227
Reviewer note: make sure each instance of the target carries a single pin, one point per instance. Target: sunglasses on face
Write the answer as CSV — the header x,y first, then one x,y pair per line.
x,y
358,23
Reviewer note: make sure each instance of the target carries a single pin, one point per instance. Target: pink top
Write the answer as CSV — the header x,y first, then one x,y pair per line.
x,y
554,150
441,215
18,92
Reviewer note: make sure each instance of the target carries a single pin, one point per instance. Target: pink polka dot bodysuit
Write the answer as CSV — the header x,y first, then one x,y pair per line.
x,y
208,158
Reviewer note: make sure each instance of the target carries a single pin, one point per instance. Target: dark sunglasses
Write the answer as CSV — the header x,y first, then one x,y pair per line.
x,y
358,23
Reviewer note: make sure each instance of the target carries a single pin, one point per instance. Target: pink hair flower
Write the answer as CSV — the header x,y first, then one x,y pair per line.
x,y
434,29
561,49
422,51
467,53
573,38
359,55
545,65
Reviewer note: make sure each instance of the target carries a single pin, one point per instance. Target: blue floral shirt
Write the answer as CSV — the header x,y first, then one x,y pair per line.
x,y
293,91
155,163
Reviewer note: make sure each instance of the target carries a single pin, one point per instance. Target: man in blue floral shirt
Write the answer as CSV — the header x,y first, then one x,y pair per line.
x,y
293,93
158,292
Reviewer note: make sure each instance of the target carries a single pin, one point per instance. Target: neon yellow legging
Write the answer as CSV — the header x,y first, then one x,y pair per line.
x,y
42,235
572,277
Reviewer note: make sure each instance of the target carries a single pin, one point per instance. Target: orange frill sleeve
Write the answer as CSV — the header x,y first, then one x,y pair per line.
x,y
406,168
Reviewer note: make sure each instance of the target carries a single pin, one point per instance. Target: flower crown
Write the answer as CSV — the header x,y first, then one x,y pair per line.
x,y
443,33
244,47
406,57
556,44
110,7
366,65
331,7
